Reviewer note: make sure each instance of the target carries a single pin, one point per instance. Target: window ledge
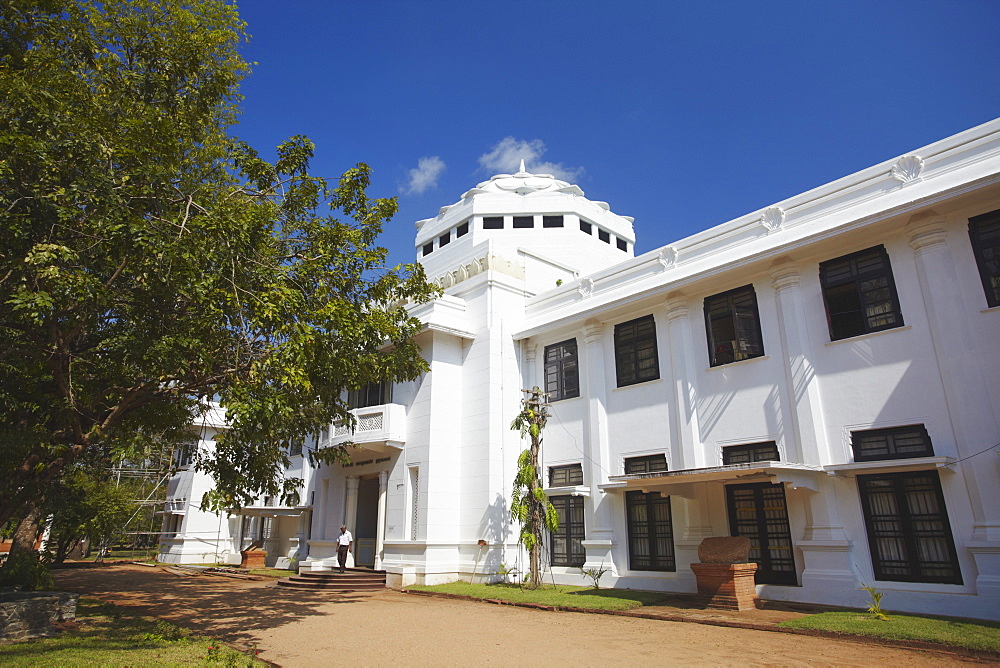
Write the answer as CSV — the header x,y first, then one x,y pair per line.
x,y
888,465
577,397
869,335
991,309
567,490
738,362
641,382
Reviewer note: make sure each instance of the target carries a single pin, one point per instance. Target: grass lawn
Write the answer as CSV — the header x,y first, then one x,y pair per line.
x,y
109,635
560,595
273,572
978,635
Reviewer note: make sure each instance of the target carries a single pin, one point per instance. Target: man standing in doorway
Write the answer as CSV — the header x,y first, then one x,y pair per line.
x,y
344,543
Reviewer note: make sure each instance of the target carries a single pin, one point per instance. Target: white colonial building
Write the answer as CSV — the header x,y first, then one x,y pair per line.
x,y
822,376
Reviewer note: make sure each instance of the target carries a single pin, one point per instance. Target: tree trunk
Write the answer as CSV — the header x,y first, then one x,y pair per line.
x,y
22,567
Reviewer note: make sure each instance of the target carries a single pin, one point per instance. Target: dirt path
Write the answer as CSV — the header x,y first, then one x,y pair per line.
x,y
295,628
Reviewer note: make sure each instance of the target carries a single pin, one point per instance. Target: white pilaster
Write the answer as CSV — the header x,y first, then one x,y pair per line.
x,y
601,534
973,418
383,486
686,445
800,399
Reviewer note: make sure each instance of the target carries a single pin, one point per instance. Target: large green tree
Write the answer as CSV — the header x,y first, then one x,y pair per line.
x,y
149,261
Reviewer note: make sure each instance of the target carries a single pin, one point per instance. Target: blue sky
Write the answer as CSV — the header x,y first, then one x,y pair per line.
x,y
681,114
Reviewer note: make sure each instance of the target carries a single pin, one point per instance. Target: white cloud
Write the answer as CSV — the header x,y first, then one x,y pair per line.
x,y
505,158
424,176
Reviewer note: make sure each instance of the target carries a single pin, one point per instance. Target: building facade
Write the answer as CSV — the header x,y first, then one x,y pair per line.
x,y
822,376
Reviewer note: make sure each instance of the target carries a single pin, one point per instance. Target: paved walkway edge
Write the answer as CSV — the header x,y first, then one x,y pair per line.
x,y
772,628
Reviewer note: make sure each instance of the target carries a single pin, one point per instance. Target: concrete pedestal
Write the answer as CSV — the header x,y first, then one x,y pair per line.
x,y
727,586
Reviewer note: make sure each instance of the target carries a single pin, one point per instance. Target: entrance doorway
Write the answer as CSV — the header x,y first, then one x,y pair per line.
x,y
759,512
367,522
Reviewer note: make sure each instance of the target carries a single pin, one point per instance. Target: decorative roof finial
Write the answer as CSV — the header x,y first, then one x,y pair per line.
x,y
522,170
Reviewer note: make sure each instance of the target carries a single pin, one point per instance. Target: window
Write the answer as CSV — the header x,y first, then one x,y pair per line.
x,y
428,248
650,532
622,244
552,221
635,351
563,476
893,443
909,536
604,236
646,464
747,454
524,221
985,234
185,454
586,227
462,229
759,512
733,326
372,394
567,543
444,239
859,294
493,223
562,371
295,448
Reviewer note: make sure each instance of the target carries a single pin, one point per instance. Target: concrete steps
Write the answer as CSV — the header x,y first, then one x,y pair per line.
x,y
354,579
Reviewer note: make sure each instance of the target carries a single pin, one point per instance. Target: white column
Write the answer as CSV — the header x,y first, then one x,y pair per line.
x,y
967,398
806,441
351,514
383,485
686,449
600,532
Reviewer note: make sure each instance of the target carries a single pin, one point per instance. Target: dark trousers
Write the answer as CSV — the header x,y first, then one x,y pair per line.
x,y
342,556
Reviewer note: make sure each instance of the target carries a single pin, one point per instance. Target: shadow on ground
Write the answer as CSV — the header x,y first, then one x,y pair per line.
x,y
220,607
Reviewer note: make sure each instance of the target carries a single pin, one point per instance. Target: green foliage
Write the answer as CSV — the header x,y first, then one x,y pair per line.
x,y
875,609
151,260
529,505
595,574
26,571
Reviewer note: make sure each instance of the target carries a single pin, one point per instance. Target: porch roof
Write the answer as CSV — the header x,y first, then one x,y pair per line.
x,y
679,482
272,511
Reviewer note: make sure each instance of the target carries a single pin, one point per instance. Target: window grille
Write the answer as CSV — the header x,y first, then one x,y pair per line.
x,y
566,544
860,294
562,370
646,464
372,394
754,452
892,443
733,326
984,231
371,422
561,476
650,532
635,351
909,535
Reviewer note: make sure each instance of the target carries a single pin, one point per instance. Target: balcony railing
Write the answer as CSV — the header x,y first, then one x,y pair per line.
x,y
375,427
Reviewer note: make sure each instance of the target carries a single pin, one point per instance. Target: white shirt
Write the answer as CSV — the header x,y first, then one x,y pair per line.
x,y
345,538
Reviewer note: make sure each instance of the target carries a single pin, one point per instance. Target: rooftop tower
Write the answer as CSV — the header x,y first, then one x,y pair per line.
x,y
544,227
